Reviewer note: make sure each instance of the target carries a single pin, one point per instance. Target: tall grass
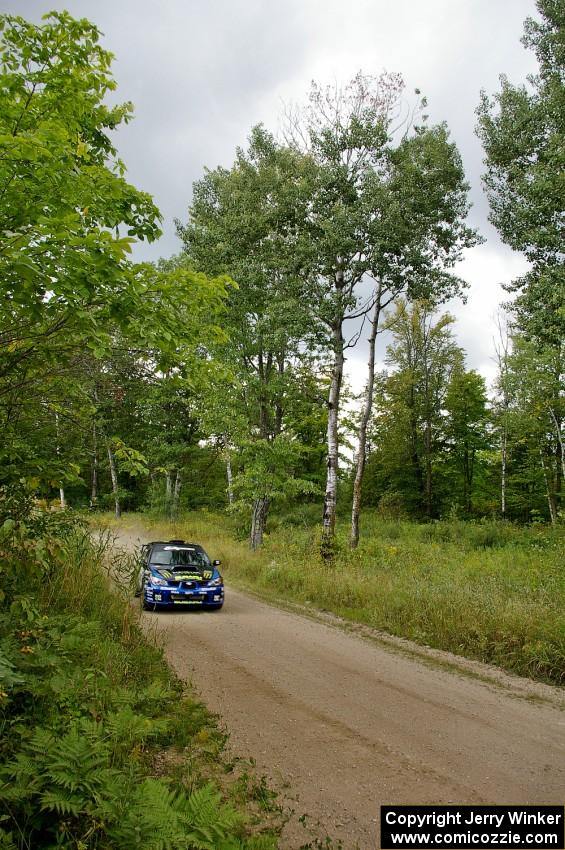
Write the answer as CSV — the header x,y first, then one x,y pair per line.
x,y
488,590
103,746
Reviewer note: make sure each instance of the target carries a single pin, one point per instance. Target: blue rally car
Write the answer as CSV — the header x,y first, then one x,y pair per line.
x,y
176,573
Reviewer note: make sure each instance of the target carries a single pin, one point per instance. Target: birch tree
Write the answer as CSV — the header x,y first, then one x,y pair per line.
x,y
389,208
424,189
502,347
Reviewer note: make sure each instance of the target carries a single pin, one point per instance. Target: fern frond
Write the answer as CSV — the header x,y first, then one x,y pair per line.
x,y
62,802
209,820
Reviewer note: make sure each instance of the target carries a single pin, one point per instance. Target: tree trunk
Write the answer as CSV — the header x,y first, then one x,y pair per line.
x,y
114,476
559,434
330,499
501,349
279,410
365,417
58,453
229,476
550,496
466,480
428,468
471,478
264,371
94,480
176,494
504,460
259,521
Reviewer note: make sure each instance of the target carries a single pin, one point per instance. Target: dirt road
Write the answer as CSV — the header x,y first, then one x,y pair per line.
x,y
341,724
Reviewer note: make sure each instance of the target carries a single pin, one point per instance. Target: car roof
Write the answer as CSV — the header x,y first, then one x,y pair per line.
x,y
161,544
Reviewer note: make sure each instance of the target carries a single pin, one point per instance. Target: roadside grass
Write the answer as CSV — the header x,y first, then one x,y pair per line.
x,y
484,590
102,745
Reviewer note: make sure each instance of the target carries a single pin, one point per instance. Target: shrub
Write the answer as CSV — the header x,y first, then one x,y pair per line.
x,y
86,703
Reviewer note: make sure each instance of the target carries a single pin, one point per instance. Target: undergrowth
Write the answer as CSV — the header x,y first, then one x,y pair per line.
x,y
100,747
487,590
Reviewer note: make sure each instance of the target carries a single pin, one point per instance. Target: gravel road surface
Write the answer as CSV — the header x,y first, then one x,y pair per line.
x,y
341,723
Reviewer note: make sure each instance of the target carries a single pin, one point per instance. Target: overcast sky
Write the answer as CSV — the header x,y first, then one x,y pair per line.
x,y
201,74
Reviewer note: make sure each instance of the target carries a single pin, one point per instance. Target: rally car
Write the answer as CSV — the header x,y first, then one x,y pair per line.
x,y
176,573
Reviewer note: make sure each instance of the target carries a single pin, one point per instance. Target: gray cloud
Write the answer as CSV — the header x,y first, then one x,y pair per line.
x,y
201,74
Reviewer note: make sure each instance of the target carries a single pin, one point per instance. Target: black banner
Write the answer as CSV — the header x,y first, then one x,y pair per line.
x,y
479,827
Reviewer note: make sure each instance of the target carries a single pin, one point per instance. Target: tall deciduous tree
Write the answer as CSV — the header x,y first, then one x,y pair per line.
x,y
523,132
410,424
466,426
63,195
425,187
501,406
535,380
66,284
389,208
248,222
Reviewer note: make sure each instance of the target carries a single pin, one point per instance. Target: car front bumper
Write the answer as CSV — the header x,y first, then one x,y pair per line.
x,y
169,597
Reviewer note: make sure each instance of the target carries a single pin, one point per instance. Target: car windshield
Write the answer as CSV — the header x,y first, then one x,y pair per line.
x,y
173,556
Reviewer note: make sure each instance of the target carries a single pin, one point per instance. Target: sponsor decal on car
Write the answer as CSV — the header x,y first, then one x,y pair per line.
x,y
189,576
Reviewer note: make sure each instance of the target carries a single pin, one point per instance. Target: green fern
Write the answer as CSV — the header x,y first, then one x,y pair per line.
x,y
7,840
62,801
209,821
125,728
146,818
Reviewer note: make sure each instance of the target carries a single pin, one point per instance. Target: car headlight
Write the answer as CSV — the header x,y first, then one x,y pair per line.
x,y
215,582
157,582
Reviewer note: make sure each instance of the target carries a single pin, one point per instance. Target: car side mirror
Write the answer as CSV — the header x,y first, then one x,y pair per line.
x,y
216,563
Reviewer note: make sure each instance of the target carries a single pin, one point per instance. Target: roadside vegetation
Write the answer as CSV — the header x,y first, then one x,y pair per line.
x,y
486,590
101,745
208,387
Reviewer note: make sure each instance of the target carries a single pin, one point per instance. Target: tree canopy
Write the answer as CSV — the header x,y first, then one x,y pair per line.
x,y
522,129
67,221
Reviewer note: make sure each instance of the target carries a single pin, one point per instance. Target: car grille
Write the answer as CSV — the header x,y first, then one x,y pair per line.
x,y
186,585
182,596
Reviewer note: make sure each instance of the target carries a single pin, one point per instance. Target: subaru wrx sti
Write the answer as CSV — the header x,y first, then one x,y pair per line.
x,y
177,574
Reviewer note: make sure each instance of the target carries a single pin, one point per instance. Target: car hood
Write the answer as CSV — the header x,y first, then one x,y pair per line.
x,y
182,573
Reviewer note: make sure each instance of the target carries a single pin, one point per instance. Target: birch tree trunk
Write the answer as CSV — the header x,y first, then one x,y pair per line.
x,y
504,451
502,351
330,499
365,417
176,494
114,477
58,453
428,421
559,435
259,521
168,492
261,504
229,476
428,467
94,479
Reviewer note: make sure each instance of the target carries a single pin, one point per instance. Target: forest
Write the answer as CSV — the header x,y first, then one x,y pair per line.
x,y
215,377
208,389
